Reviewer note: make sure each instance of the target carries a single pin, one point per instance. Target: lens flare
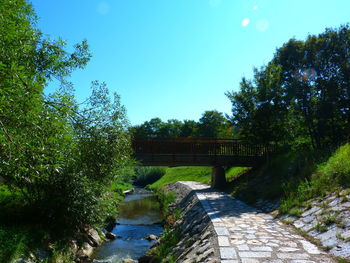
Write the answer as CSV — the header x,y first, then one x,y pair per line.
x,y
245,22
262,25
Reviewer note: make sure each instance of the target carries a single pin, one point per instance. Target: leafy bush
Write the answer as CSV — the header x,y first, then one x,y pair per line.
x,y
57,156
148,175
329,176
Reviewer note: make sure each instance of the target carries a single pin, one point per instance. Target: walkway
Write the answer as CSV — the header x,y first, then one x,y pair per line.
x,y
245,235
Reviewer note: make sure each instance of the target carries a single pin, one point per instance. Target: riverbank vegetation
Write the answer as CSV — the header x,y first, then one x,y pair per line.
x,y
58,157
192,173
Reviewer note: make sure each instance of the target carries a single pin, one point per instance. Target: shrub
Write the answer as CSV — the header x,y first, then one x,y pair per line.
x,y
148,175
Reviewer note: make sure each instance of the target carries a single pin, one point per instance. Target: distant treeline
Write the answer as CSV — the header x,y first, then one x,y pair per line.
x,y
301,97
212,124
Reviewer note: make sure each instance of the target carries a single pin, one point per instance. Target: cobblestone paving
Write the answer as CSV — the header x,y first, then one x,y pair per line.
x,y
246,235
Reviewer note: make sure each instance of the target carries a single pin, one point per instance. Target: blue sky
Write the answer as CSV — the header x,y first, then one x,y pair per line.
x,y
174,59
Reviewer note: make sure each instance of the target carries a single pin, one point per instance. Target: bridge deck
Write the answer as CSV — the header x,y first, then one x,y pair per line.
x,y
198,152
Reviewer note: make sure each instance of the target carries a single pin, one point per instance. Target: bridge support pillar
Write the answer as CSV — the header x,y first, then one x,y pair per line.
x,y
218,179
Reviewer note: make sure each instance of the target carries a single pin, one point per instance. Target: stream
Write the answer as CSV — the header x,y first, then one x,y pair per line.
x,y
139,216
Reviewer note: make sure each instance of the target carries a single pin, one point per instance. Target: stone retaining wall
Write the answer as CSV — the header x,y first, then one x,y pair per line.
x,y
327,221
199,241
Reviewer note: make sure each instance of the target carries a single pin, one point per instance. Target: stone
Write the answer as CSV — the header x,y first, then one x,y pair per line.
x,y
204,248
110,236
94,237
128,260
221,231
151,237
254,254
308,219
129,191
249,260
341,250
223,241
261,248
85,250
288,249
298,224
293,255
242,247
228,253
310,211
309,247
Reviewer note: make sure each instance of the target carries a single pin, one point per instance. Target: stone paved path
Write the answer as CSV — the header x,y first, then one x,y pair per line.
x,y
246,235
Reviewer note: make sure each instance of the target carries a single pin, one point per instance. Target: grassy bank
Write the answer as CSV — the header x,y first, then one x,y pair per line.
x,y
192,173
291,177
332,175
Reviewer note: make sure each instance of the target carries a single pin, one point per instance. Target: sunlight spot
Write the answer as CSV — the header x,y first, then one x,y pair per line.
x,y
262,25
214,3
245,22
307,75
103,8
255,7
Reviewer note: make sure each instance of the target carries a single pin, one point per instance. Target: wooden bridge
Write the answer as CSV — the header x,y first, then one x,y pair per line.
x,y
198,152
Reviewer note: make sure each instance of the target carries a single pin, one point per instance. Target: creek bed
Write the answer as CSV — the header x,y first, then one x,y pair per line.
x,y
139,217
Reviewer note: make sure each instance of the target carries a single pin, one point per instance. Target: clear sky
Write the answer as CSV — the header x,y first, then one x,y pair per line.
x,y
174,59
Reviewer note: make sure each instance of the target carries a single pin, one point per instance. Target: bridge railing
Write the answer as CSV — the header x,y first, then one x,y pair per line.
x,y
189,146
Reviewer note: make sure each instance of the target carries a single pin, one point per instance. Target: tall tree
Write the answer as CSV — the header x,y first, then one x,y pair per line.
x,y
212,124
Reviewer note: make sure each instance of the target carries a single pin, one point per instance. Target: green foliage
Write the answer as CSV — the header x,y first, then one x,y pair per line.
x,y
235,172
145,175
186,173
329,176
14,242
300,98
169,239
212,124
193,173
58,158
165,199
170,236
267,181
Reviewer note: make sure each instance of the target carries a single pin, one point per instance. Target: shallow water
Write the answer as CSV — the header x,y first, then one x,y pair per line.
x,y
139,216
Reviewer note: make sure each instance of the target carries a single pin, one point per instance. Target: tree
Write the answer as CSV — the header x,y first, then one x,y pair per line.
x,y
60,155
212,124
301,97
189,129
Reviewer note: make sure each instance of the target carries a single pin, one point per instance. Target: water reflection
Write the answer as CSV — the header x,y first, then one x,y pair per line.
x,y
139,215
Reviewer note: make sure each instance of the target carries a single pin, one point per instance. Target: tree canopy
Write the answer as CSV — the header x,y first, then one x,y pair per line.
x,y
301,97
212,124
60,155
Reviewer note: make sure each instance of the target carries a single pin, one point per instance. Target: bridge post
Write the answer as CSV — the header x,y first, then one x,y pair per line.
x,y
218,178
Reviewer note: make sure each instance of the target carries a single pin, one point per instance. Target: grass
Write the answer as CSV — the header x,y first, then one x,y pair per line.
x,y
267,181
145,175
14,242
329,176
183,173
192,173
